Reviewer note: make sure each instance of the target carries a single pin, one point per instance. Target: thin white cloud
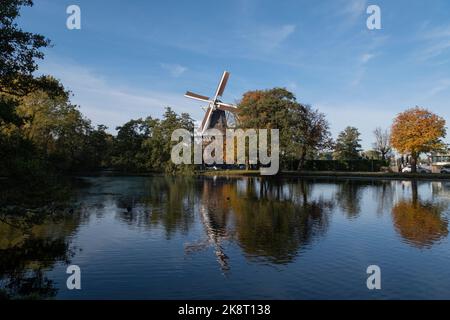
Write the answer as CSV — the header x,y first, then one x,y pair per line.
x,y
435,42
175,70
361,68
436,32
441,86
366,57
358,77
435,50
353,10
111,104
276,36
267,38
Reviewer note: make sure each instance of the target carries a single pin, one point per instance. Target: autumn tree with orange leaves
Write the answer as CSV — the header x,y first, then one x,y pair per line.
x,y
417,131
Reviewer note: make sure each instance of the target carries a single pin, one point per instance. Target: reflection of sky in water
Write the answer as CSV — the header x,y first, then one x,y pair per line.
x,y
258,238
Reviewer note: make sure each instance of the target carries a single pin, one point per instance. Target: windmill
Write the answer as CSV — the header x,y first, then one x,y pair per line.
x,y
218,115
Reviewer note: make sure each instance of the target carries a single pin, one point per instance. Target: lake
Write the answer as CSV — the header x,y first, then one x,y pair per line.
x,y
233,238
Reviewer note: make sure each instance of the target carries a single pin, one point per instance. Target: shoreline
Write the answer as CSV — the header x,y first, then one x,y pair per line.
x,y
333,174
282,174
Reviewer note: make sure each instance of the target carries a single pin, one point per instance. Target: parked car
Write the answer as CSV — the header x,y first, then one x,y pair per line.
x,y
420,169
445,169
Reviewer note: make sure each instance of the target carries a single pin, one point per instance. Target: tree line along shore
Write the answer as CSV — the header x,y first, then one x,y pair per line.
x,y
42,133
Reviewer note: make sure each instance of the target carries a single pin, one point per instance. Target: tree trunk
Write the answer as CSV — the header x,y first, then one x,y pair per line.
x,y
415,192
301,162
414,163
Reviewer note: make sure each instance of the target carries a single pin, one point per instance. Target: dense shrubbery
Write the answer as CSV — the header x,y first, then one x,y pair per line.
x,y
359,165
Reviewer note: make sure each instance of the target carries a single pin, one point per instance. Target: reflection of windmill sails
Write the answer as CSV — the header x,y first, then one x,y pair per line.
x,y
214,239
218,115
215,234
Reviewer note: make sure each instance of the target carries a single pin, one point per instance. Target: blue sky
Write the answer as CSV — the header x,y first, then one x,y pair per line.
x,y
133,58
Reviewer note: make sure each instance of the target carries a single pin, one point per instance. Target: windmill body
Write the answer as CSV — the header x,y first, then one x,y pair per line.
x,y
217,113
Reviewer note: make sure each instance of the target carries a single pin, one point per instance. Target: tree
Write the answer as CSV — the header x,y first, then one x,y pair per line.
x,y
312,133
56,127
98,147
19,49
128,145
145,145
303,131
382,142
159,144
417,131
348,144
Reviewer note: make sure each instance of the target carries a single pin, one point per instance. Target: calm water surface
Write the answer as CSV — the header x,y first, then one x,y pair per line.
x,y
236,238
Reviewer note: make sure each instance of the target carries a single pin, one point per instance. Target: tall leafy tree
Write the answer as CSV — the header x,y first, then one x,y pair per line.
x,y
312,134
128,145
19,50
303,131
98,147
56,127
348,145
145,145
158,146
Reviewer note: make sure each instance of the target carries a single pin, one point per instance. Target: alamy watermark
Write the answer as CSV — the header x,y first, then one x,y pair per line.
x,y
74,280
374,20
215,147
374,280
73,21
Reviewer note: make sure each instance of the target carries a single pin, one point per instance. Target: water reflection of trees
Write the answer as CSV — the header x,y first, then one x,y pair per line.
x,y
276,219
269,219
420,223
348,197
350,192
166,201
33,237
273,219
22,268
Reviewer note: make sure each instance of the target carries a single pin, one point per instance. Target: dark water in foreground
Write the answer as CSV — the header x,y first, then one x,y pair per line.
x,y
235,238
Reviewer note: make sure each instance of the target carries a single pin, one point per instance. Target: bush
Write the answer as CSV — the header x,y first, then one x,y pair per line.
x,y
363,165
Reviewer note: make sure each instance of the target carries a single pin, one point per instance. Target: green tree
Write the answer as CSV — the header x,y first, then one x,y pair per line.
x,y
98,148
348,145
159,144
311,134
56,127
145,145
19,50
304,132
127,154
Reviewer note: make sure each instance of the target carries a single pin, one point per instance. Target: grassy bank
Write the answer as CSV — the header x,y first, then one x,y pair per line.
x,y
333,174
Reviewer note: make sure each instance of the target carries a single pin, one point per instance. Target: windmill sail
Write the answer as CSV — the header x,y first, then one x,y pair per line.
x,y
222,84
205,122
195,96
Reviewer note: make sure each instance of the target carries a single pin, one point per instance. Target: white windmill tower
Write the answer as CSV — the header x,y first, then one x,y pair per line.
x,y
218,115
